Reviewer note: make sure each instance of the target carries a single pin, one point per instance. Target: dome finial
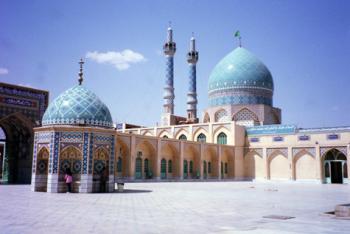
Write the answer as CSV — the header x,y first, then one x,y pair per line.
x,y
238,34
81,62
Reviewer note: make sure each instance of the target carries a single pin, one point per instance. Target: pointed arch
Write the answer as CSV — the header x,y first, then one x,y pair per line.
x,y
278,165
245,114
122,158
304,166
254,166
206,118
42,161
219,130
192,159
180,132
333,154
146,150
199,131
170,154
147,133
164,134
221,116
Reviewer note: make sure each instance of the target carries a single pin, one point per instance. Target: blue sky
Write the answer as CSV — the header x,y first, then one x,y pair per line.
x,y
305,44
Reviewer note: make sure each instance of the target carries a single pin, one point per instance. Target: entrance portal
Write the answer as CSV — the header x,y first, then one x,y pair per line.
x,y
21,109
336,175
335,167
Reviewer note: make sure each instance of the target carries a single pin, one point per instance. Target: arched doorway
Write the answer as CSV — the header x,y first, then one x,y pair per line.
x,y
191,163
145,162
170,163
335,167
42,166
122,159
71,158
21,109
100,170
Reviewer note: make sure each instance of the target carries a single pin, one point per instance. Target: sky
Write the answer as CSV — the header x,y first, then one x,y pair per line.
x,y
305,45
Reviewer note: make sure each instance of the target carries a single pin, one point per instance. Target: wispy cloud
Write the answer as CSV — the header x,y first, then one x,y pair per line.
x,y
4,71
121,60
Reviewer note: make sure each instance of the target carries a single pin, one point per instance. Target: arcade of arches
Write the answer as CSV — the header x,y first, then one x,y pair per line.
x,y
99,159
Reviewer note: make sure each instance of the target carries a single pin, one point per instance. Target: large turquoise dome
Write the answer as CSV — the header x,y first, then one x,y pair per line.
x,y
240,78
78,106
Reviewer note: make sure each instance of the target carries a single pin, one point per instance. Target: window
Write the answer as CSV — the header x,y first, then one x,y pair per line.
x,y
209,167
119,164
165,136
222,138
191,166
201,138
138,173
182,137
222,168
170,166
163,166
185,167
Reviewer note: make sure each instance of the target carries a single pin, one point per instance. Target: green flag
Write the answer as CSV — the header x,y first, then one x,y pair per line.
x,y
237,34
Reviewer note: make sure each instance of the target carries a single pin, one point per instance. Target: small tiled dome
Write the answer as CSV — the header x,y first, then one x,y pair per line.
x,y
240,78
78,106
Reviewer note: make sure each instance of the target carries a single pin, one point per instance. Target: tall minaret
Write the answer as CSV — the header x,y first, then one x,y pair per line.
x,y
192,58
169,49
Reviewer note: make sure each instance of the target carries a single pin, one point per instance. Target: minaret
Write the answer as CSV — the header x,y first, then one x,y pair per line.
x,y
169,49
192,58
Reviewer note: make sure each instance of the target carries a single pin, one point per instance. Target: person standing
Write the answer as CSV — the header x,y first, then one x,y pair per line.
x,y
68,179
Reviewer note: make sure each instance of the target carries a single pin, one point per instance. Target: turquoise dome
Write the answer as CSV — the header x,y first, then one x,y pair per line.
x,y
78,106
240,78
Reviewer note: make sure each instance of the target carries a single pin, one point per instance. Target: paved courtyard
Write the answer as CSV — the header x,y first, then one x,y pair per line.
x,y
188,207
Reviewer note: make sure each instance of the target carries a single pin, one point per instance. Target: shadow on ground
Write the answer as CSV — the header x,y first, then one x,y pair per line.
x,y
134,191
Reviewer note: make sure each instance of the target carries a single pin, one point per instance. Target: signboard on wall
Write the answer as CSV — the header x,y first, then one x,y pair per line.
x,y
271,129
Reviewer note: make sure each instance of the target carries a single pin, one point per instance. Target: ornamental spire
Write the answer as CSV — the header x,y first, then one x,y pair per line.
x,y
238,35
81,62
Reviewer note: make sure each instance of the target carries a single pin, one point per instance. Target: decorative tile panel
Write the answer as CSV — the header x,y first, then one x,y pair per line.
x,y
34,153
342,149
71,137
284,151
85,152
111,158
55,156
91,144
309,150
257,150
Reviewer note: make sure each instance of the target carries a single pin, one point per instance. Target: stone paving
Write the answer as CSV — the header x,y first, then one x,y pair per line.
x,y
188,207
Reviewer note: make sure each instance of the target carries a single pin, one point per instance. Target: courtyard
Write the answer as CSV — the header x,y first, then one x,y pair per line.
x,y
186,207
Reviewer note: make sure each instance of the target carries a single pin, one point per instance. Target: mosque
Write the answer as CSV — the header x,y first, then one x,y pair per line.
x,y
238,137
